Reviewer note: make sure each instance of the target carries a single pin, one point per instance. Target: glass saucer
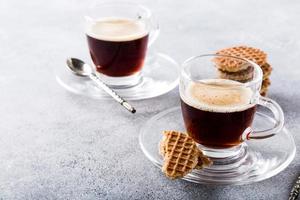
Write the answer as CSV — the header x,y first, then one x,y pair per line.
x,y
159,75
263,158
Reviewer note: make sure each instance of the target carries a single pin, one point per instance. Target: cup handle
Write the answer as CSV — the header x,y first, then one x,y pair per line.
x,y
153,34
278,118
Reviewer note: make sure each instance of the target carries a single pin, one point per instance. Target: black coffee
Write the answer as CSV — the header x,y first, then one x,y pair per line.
x,y
117,46
216,115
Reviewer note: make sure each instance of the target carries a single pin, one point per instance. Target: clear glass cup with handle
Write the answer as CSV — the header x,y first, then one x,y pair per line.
x,y
218,112
118,36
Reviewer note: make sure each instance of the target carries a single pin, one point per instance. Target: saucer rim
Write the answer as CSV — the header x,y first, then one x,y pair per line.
x,y
171,87
188,177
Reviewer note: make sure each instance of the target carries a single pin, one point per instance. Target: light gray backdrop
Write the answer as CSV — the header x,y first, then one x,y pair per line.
x,y
56,145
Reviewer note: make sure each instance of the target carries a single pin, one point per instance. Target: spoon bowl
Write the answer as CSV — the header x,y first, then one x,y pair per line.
x,y
79,67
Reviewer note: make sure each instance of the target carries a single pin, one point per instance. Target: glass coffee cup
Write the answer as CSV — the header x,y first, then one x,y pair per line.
x,y
217,112
118,35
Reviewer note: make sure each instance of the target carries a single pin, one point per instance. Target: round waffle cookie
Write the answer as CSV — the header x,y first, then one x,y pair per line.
x,y
233,65
265,87
181,154
263,91
242,76
266,83
267,69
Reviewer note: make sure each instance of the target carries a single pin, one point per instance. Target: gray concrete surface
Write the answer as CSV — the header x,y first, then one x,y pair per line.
x,y
57,145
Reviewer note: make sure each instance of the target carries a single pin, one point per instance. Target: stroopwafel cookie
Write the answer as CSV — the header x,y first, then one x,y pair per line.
x,y
181,155
266,83
242,76
234,65
235,69
266,69
264,91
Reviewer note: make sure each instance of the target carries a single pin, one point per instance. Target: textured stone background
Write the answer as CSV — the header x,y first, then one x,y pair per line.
x,y
56,145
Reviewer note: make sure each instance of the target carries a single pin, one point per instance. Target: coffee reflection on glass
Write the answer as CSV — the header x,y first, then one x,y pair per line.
x,y
216,112
117,45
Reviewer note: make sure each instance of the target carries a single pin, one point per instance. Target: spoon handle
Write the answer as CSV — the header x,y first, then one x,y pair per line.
x,y
112,93
295,190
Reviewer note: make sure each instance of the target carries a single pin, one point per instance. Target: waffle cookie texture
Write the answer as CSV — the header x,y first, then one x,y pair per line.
x,y
181,155
238,70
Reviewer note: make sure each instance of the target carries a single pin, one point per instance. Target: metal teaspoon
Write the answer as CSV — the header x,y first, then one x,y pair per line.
x,y
80,68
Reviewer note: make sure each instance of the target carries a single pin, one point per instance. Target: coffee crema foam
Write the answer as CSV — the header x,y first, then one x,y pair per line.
x,y
116,29
218,95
